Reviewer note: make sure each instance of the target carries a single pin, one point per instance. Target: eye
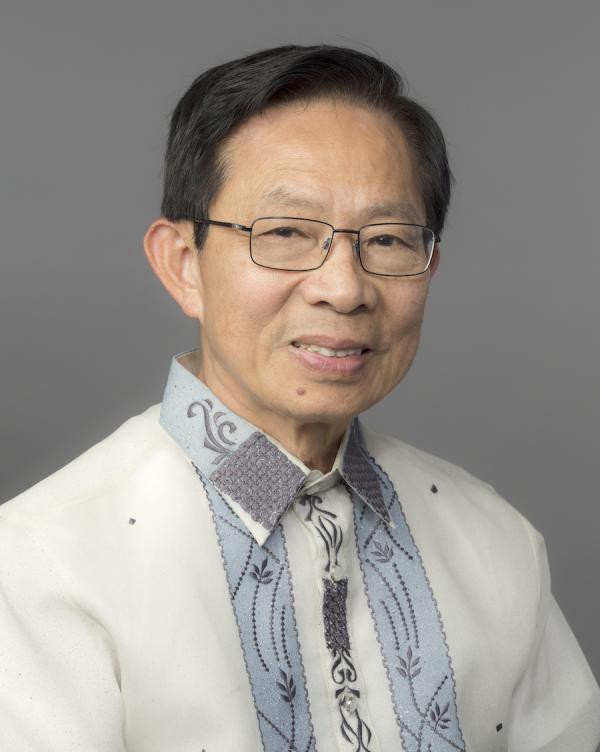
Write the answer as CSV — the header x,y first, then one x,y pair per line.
x,y
285,232
384,240
388,241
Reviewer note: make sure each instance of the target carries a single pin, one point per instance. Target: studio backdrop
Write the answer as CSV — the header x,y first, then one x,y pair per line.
x,y
506,380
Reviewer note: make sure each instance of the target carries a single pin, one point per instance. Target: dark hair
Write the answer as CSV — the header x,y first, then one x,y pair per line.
x,y
224,97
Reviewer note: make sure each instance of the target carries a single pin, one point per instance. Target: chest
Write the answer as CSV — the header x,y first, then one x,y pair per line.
x,y
333,635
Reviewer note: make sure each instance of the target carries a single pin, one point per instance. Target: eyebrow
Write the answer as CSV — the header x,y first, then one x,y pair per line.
x,y
399,209
283,195
403,209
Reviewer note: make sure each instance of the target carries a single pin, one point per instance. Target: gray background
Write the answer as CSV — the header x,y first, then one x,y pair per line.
x,y
505,383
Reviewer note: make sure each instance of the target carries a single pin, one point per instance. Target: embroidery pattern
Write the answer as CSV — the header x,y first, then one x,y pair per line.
x,y
360,474
219,444
408,624
409,628
262,599
343,673
335,593
259,477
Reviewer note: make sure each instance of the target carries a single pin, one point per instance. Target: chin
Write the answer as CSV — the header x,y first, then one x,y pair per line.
x,y
315,407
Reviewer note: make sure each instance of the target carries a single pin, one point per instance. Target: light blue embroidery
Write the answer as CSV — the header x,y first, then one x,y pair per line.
x,y
261,594
407,621
239,460
409,627
201,424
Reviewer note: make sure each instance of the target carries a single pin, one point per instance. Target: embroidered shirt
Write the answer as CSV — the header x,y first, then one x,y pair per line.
x,y
187,584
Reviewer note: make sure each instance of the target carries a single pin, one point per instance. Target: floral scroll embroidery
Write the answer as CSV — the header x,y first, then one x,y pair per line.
x,y
409,627
261,595
215,438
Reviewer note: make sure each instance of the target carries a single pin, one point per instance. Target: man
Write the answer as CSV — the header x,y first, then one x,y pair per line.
x,y
246,566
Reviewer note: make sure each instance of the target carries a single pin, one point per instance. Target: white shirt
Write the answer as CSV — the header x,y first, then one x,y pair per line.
x,y
187,585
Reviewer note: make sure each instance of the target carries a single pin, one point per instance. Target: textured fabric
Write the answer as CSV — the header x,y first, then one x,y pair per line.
x,y
360,474
119,617
335,618
260,478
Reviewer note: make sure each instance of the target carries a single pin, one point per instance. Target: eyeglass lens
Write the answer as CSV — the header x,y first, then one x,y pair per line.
x,y
302,244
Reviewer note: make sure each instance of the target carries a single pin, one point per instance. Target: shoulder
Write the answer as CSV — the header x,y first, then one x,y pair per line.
x,y
411,465
446,501
105,470
392,451
482,556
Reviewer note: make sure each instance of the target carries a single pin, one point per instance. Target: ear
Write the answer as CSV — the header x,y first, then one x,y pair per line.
x,y
172,254
435,260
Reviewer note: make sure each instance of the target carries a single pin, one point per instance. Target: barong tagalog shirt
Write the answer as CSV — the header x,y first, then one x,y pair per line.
x,y
187,585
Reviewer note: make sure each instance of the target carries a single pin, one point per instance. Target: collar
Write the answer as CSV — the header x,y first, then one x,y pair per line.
x,y
255,473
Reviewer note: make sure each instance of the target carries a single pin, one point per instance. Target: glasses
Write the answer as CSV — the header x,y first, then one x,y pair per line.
x,y
391,249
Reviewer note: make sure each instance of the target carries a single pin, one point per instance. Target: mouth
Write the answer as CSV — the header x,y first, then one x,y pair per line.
x,y
330,358
332,352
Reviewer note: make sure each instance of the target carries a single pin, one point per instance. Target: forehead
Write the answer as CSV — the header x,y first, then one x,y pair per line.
x,y
321,156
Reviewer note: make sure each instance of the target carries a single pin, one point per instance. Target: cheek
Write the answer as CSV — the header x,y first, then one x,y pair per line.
x,y
242,306
405,318
406,310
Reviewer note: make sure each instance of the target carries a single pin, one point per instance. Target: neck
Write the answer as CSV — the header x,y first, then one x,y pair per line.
x,y
314,443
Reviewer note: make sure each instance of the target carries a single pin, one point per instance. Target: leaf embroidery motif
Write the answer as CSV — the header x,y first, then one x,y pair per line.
x,y
261,574
287,686
409,668
439,717
382,553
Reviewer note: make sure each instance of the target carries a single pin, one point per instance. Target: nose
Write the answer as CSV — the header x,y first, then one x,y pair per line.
x,y
341,282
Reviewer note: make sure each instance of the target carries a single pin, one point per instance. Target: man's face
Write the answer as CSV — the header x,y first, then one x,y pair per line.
x,y
347,166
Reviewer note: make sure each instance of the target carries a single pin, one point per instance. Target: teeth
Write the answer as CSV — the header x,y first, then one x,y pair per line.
x,y
328,352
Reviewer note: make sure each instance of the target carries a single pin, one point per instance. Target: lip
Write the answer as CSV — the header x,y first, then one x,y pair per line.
x,y
349,365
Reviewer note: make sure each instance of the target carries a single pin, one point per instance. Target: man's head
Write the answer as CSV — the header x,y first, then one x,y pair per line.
x,y
321,133
223,98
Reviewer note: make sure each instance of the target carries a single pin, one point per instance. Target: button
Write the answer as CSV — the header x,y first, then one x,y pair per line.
x,y
348,703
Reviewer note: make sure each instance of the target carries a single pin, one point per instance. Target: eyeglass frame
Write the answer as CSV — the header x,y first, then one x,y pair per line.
x,y
334,230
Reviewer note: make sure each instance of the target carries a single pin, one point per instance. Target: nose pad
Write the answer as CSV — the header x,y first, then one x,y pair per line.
x,y
327,245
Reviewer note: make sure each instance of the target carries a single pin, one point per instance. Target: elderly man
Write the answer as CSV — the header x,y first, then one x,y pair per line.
x,y
246,566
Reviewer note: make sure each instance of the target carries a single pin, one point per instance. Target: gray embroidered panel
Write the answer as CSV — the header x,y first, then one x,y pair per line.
x,y
409,627
260,478
262,600
335,618
359,473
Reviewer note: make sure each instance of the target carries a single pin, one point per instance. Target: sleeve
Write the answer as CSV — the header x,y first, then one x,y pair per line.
x,y
59,682
556,704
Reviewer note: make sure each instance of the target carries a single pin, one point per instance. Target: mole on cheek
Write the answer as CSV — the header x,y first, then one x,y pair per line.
x,y
300,391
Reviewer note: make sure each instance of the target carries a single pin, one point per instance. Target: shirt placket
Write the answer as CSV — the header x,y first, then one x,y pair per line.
x,y
330,529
